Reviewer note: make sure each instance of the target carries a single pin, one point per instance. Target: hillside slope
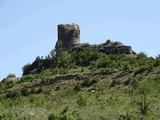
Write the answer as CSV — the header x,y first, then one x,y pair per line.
x,y
84,85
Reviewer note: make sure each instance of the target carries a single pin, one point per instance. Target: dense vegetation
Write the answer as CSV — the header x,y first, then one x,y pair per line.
x,y
84,85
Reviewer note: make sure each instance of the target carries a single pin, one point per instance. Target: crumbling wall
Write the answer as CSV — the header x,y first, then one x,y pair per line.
x,y
68,36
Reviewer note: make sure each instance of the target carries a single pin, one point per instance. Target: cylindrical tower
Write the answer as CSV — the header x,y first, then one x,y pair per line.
x,y
68,36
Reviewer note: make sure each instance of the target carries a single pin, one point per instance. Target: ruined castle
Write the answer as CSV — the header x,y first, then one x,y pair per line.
x,y
69,39
68,36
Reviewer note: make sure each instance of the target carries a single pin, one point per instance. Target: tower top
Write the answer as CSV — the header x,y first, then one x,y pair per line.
x,y
68,36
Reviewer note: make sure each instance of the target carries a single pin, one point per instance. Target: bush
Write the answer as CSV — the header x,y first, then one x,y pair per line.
x,y
141,55
28,77
62,71
140,70
126,67
143,106
134,83
94,80
127,116
32,90
64,115
47,91
85,57
65,110
102,62
90,82
3,117
62,60
39,90
128,81
77,87
24,92
157,63
7,116
52,116
113,83
12,94
86,83
157,79
11,75
81,100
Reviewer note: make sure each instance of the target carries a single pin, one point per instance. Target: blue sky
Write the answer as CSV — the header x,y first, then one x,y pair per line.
x,y
28,28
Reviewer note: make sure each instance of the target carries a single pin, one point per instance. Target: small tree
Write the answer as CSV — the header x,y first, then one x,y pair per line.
x,y
62,60
11,75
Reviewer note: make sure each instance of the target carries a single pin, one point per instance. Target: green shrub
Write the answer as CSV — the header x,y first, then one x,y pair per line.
x,y
86,83
12,94
5,84
81,100
53,116
140,70
62,71
131,81
24,91
11,75
28,77
76,115
7,116
127,116
157,79
65,110
64,115
128,81
82,70
32,90
62,60
102,62
157,62
77,87
134,83
85,57
113,83
126,67
90,82
141,55
47,91
39,90
55,71
31,99
94,80
3,117
143,106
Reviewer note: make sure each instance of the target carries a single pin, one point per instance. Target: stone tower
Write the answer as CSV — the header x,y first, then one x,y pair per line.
x,y
68,36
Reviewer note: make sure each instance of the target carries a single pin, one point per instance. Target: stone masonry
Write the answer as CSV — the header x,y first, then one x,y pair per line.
x,y
68,36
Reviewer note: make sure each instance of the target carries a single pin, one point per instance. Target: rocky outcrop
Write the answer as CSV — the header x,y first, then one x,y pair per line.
x,y
115,47
109,47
